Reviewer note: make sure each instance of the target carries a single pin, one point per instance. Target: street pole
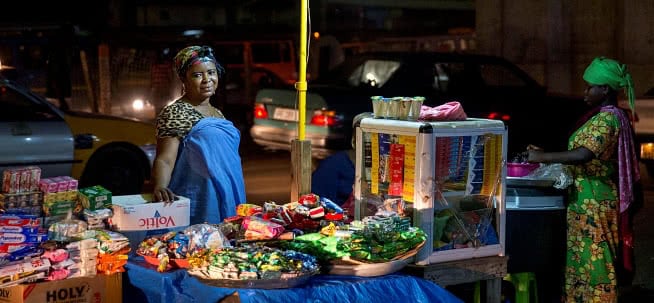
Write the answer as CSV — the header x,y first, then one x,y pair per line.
x,y
301,148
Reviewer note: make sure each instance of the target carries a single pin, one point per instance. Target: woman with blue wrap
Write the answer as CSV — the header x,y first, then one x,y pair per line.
x,y
197,148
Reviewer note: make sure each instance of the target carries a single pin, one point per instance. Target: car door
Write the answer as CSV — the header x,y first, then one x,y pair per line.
x,y
32,132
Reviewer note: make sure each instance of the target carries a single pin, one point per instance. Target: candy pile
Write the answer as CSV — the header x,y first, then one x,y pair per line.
x,y
251,263
378,238
272,221
171,245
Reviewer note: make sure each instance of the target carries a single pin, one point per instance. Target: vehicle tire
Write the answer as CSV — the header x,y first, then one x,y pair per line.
x,y
117,168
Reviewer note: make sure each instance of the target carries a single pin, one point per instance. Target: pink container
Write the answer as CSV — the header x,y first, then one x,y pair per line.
x,y
520,169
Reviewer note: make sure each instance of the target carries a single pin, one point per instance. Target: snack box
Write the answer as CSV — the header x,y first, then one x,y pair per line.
x,y
95,197
138,212
78,290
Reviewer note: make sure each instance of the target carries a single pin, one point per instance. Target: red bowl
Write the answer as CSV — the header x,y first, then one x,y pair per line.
x,y
172,263
520,169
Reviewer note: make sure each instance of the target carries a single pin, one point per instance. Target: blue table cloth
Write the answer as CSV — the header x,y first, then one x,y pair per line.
x,y
145,284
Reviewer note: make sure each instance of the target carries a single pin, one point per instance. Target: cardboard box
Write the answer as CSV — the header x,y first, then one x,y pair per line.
x,y
138,212
77,290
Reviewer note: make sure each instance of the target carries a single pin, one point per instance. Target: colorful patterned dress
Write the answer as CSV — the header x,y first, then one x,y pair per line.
x,y
592,215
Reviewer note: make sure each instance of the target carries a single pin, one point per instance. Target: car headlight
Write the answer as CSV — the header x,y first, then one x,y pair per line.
x,y
138,105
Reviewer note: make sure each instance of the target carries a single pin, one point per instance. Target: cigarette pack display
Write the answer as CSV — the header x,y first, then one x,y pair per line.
x,y
448,176
95,197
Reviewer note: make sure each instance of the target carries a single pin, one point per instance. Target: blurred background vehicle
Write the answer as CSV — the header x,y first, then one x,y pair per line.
x,y
644,128
114,152
486,86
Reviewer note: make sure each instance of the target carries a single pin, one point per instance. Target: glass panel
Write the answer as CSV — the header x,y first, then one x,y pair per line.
x,y
467,179
373,73
467,174
15,106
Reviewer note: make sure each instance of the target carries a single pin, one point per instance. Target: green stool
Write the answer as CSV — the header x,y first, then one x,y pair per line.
x,y
523,282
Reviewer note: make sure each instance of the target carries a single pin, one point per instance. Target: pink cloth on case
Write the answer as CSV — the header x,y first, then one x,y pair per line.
x,y
450,111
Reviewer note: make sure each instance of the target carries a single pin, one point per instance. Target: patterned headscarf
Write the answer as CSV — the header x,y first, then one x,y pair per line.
x,y
193,55
604,71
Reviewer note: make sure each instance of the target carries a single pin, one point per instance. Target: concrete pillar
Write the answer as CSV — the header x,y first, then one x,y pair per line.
x,y
558,68
488,27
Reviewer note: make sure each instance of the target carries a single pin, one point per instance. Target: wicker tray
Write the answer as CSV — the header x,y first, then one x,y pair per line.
x,y
260,283
352,267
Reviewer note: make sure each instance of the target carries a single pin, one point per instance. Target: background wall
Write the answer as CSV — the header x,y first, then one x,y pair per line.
x,y
554,40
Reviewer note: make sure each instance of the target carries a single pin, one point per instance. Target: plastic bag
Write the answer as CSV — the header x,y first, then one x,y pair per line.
x,y
556,171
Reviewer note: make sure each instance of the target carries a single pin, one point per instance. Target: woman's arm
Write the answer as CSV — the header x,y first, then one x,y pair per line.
x,y
163,168
575,156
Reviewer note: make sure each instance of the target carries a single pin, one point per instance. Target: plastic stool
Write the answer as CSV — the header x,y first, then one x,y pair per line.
x,y
523,282
525,286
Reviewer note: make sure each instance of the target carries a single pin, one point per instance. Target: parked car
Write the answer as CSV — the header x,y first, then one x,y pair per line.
x,y
114,152
486,86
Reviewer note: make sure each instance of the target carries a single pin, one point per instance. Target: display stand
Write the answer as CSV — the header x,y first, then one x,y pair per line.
x,y
488,269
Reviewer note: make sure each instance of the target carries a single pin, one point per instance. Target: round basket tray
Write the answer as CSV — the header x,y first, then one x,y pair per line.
x,y
259,283
353,267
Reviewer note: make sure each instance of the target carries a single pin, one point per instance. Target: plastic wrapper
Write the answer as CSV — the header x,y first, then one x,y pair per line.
x,y
66,230
205,236
258,226
245,209
558,172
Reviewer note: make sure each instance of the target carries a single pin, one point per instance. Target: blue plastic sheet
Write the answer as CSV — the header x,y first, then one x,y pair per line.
x,y
148,285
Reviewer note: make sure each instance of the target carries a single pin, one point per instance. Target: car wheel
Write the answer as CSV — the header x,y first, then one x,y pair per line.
x,y
118,169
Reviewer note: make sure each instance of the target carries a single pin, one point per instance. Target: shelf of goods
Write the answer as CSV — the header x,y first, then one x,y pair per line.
x,y
448,176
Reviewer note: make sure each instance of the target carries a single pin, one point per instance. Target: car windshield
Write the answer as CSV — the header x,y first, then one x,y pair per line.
x,y
361,72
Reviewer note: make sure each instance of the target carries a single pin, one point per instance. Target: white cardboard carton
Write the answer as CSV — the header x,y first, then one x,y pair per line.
x,y
137,212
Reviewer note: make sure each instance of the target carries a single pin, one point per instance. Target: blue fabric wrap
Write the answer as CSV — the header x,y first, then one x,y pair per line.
x,y
147,285
334,177
208,171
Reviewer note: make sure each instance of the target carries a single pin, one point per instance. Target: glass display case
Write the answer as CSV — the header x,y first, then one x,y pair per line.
x,y
449,177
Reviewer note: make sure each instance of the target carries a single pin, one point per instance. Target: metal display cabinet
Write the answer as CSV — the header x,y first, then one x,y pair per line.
x,y
449,176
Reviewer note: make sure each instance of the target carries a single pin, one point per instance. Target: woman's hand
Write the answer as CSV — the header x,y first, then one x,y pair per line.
x,y
163,194
534,154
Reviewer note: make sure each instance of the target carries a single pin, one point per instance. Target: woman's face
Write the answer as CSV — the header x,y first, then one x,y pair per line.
x,y
201,80
595,94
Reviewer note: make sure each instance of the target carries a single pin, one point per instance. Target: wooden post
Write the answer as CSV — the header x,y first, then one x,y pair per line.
x,y
300,168
104,75
87,80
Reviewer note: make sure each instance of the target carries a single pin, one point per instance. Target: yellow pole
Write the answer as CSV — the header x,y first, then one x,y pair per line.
x,y
301,148
301,85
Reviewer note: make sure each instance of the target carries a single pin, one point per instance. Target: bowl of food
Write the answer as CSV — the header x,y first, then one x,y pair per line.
x,y
520,169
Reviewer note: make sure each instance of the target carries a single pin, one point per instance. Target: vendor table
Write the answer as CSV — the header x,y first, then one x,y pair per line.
x,y
491,270
144,284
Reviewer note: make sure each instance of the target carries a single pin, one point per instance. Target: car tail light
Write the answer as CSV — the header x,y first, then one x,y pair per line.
x,y
325,118
260,111
499,116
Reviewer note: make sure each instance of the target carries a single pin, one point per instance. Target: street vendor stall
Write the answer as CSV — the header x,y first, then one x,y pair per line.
x,y
449,176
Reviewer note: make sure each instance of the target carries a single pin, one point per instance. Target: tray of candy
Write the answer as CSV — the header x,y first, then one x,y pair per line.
x,y
364,268
252,283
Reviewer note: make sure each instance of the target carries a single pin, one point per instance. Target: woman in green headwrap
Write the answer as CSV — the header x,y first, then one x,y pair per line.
x,y
602,158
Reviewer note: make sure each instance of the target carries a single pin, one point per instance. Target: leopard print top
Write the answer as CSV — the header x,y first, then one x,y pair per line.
x,y
177,119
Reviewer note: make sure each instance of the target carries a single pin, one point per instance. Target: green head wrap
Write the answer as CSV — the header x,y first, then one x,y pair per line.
x,y
604,71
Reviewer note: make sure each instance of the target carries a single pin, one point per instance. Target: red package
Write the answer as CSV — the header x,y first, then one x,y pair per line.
x,y
309,200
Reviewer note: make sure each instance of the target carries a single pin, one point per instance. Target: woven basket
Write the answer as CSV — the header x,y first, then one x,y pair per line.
x,y
352,267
